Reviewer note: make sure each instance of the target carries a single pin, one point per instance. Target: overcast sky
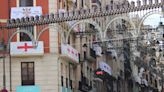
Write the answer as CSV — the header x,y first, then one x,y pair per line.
x,y
154,19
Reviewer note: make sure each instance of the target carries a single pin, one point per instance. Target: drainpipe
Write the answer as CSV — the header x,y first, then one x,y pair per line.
x,y
58,60
4,74
10,68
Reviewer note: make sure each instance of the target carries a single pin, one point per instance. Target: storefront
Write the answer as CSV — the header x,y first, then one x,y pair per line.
x,y
32,69
28,89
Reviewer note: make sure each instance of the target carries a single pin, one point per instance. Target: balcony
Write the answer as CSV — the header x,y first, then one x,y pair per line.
x,y
90,55
98,2
70,2
69,53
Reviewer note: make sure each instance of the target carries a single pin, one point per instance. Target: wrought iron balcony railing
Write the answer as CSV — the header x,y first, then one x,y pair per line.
x,y
90,55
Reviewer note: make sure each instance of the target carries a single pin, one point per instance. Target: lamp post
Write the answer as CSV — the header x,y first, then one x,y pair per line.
x,y
2,49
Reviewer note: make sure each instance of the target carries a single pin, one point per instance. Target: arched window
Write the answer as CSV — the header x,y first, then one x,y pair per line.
x,y
30,29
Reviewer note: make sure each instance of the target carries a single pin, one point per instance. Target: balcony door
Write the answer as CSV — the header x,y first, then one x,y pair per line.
x,y
27,73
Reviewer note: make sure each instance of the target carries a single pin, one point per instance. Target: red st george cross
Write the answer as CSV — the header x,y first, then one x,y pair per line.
x,y
25,47
72,52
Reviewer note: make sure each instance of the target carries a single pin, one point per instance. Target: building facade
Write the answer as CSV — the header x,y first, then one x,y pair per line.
x,y
39,71
79,62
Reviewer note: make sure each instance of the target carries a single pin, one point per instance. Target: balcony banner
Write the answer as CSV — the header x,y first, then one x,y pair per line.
x,y
70,52
20,12
26,48
105,67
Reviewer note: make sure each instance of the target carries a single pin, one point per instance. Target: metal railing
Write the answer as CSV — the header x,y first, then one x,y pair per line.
x,y
81,14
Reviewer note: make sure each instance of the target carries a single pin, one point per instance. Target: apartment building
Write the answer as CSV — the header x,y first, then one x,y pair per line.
x,y
64,65
27,68
52,66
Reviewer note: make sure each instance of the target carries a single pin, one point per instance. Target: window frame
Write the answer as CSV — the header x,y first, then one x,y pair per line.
x,y
26,4
62,81
28,81
34,27
29,29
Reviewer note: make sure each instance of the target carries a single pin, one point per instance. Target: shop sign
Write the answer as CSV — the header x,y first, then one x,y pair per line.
x,y
26,48
20,12
70,52
28,89
105,67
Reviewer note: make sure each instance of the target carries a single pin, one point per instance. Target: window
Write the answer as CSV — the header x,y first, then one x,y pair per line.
x,y
156,84
30,29
147,77
82,3
70,83
62,75
75,4
25,37
71,77
90,73
25,2
87,71
66,82
27,73
66,67
62,81
94,1
61,68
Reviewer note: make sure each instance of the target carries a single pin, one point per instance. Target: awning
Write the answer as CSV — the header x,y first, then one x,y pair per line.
x,y
105,67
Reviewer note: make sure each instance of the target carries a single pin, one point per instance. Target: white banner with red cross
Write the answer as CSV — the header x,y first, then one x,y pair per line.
x,y
70,52
26,48
19,12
